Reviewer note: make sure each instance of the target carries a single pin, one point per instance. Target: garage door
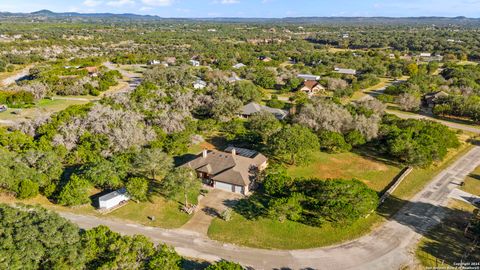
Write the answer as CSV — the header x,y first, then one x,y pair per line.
x,y
238,189
224,186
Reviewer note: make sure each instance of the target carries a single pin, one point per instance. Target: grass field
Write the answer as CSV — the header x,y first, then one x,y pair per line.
x,y
290,235
58,103
43,107
472,183
377,175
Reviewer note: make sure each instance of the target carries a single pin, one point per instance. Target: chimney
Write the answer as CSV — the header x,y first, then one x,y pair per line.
x,y
234,151
204,153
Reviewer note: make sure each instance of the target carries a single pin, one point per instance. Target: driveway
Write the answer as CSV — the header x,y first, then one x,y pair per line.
x,y
210,207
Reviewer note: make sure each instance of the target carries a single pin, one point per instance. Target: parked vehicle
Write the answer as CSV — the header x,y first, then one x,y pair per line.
x,y
3,108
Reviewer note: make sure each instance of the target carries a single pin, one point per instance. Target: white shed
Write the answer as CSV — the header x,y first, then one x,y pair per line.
x,y
112,199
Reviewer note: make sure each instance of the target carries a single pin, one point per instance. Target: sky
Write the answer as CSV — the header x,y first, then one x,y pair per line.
x,y
255,8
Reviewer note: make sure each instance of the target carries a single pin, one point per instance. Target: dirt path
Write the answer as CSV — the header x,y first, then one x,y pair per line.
x,y
17,75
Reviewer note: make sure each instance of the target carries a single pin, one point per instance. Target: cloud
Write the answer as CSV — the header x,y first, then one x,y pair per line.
x,y
229,2
119,3
91,3
158,3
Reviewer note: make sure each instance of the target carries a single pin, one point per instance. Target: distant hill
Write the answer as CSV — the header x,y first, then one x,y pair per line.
x,y
50,15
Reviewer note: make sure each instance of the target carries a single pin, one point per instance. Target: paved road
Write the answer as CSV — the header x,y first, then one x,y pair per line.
x,y
388,247
446,123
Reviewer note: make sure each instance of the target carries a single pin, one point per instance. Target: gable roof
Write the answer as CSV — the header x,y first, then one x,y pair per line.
x,y
113,194
227,167
346,71
253,107
310,84
308,77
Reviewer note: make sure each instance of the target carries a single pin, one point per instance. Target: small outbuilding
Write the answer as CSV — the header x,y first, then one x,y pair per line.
x,y
308,77
113,199
199,84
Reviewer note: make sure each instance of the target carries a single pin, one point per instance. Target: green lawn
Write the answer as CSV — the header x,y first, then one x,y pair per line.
x,y
266,233
167,213
472,182
376,174
272,234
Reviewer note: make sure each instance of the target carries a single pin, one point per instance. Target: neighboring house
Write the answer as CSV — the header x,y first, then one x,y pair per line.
x,y
195,63
239,65
425,54
3,108
234,78
153,62
252,108
170,60
431,99
113,199
199,84
308,77
265,59
346,71
92,71
234,170
311,87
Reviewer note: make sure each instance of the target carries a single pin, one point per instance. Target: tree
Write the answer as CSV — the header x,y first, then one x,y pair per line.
x,y
225,265
409,102
75,192
27,189
153,162
181,180
225,107
246,91
103,174
265,78
263,125
137,188
164,258
293,143
325,115
333,142
286,208
412,69
344,201
35,238
277,183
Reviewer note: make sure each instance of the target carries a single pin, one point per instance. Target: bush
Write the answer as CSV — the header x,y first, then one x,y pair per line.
x,y
227,214
27,189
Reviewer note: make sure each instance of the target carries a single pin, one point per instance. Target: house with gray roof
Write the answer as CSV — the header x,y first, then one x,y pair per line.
x,y
233,170
253,107
346,71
